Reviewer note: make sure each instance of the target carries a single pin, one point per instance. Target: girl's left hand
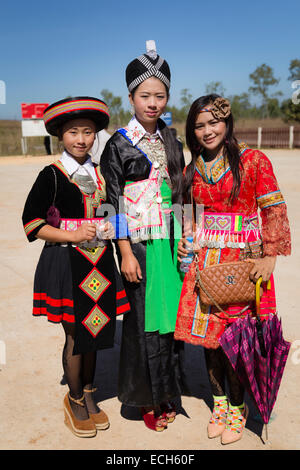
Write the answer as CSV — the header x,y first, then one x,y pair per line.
x,y
182,252
263,267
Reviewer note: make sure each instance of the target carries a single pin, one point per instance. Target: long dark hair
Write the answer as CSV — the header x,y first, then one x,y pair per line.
x,y
231,147
175,159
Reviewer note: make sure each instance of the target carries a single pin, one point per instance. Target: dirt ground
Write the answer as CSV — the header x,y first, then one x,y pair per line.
x,y
31,376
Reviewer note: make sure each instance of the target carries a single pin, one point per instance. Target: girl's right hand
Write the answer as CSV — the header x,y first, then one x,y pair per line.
x,y
85,232
131,269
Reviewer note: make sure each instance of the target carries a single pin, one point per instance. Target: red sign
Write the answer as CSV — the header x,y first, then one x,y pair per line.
x,y
33,110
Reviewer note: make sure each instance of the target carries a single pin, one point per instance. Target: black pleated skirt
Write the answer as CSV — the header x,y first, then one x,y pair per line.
x,y
83,287
53,289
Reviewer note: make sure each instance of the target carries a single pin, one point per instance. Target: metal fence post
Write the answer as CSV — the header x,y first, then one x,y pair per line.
x,y
24,145
2,353
291,139
259,133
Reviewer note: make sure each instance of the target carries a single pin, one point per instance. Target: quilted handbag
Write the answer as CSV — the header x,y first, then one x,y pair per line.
x,y
226,283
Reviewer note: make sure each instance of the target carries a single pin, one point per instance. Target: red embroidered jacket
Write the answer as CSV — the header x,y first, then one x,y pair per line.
x,y
259,190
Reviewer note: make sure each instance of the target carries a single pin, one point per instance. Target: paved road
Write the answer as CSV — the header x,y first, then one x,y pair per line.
x,y
31,387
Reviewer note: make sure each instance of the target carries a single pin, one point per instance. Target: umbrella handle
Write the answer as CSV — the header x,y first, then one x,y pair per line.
x,y
257,293
258,320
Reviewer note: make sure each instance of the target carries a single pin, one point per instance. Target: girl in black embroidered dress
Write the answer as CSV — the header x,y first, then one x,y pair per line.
x,y
76,280
137,158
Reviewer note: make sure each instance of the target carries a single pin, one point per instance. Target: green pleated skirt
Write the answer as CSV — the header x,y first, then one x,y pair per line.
x,y
164,279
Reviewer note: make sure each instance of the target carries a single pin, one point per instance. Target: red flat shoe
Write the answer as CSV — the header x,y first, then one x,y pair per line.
x,y
169,411
152,421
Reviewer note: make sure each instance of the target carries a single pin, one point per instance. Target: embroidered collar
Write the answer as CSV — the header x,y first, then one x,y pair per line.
x,y
72,166
96,174
135,131
218,169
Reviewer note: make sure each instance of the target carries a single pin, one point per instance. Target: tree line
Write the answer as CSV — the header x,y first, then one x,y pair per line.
x,y
262,83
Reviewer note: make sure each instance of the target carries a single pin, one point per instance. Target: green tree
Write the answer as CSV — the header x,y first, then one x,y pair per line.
x,y
240,105
263,78
114,104
177,114
186,100
294,70
290,111
214,87
274,109
291,107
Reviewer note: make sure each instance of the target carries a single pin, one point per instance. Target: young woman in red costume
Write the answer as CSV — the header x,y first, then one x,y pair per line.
x,y
233,183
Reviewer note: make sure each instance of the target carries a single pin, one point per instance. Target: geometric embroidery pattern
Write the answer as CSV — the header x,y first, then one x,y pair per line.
x,y
219,169
95,284
33,224
95,321
92,254
202,312
216,222
200,322
270,199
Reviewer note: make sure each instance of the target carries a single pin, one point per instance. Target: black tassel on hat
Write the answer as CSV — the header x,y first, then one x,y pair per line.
x,y
146,66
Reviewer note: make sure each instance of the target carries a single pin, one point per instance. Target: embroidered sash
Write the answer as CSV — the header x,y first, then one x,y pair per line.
x,y
74,224
144,206
232,230
144,209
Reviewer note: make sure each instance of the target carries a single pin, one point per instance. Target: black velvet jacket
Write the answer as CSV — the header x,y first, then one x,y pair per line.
x,y
69,200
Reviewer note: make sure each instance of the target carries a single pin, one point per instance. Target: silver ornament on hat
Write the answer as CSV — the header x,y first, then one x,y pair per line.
x,y
151,49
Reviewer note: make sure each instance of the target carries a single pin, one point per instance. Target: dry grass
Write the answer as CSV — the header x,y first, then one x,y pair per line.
x,y
10,140
265,123
10,135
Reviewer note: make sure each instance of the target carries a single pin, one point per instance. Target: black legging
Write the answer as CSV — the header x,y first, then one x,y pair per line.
x,y
219,368
79,369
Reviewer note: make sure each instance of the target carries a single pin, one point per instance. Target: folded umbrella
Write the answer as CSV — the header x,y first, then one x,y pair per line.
x,y
258,353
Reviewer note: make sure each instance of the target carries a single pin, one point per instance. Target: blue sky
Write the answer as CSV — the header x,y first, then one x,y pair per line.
x,y
49,50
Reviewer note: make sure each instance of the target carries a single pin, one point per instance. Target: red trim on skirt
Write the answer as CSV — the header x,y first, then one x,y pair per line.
x,y
53,302
42,311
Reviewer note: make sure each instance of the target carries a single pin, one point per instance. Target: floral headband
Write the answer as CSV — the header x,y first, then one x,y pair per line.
x,y
220,108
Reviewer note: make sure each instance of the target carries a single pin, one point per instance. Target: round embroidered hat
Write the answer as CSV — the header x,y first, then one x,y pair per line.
x,y
60,112
146,66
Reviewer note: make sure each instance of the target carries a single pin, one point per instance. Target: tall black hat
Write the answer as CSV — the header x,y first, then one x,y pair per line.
x,y
57,114
146,66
